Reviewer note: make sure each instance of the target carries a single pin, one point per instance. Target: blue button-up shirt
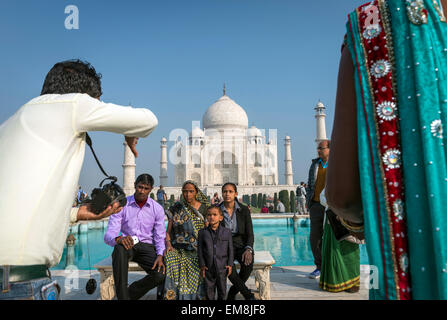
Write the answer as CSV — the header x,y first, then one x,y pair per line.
x,y
231,223
147,223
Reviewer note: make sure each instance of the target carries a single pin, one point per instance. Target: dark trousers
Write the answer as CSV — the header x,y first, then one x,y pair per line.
x,y
238,280
142,253
215,279
316,231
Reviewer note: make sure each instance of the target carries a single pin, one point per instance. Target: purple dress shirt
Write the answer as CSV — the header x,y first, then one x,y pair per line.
x,y
147,223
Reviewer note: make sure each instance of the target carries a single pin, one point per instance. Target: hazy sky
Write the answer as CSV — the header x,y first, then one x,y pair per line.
x,y
277,58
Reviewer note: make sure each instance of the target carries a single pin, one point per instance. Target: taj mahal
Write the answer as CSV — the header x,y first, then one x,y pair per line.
x,y
224,150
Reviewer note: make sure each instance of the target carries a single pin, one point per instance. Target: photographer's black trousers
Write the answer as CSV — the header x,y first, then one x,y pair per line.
x,y
144,254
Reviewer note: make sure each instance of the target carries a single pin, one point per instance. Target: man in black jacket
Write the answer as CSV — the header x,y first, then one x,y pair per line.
x,y
237,218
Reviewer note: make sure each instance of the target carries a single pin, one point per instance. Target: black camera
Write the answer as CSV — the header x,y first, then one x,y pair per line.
x,y
104,196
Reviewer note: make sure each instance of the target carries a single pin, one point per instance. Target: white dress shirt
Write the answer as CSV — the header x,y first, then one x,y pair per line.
x,y
42,149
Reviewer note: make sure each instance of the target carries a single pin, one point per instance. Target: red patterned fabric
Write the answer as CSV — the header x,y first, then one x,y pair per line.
x,y
378,51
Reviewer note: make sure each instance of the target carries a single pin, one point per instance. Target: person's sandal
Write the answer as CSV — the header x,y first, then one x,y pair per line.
x,y
354,289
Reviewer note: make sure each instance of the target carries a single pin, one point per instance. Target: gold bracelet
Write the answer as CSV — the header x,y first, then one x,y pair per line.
x,y
350,227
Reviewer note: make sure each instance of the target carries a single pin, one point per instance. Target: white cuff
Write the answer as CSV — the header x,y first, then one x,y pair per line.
x,y
74,215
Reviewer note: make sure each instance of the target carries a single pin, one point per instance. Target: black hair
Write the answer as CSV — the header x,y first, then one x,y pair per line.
x,y
214,207
145,179
231,184
73,76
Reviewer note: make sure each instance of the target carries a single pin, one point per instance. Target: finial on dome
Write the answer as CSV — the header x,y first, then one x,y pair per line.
x,y
224,90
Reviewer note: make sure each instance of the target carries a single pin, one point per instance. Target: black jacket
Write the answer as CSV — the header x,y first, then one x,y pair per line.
x,y
313,172
224,248
245,236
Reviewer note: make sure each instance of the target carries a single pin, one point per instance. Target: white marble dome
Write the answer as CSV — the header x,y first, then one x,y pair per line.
x,y
225,113
197,133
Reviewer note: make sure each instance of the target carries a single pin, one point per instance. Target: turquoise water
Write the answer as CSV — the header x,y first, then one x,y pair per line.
x,y
288,244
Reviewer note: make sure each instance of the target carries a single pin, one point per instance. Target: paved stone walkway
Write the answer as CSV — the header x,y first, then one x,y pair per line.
x,y
287,283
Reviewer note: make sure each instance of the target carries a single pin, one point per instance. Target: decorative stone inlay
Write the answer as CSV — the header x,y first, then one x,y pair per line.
x,y
386,110
403,262
380,68
439,11
372,31
436,128
398,208
391,158
416,12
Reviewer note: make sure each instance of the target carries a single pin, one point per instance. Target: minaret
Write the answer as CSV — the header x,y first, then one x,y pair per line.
x,y
288,162
164,162
321,124
128,171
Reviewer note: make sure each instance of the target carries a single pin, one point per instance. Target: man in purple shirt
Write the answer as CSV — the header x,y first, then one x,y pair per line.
x,y
141,217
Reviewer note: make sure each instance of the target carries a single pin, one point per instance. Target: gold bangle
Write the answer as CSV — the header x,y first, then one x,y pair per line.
x,y
350,227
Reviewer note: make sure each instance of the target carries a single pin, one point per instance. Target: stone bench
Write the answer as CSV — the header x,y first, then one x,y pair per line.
x,y
261,267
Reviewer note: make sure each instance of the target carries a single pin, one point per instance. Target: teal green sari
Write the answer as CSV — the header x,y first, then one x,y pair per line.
x,y
402,153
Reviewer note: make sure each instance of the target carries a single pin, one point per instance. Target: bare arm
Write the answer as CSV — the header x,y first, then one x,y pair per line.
x,y
168,237
84,212
343,192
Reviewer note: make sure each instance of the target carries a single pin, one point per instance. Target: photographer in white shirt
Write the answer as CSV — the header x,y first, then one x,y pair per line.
x,y
42,147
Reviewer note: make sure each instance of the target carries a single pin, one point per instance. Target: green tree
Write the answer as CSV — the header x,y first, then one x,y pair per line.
x,y
292,202
275,200
254,200
259,200
152,196
171,200
284,198
264,200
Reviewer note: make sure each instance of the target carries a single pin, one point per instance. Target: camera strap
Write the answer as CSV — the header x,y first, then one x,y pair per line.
x,y
88,140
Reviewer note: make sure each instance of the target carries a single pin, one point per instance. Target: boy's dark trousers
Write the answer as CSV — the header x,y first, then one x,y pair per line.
x,y
215,280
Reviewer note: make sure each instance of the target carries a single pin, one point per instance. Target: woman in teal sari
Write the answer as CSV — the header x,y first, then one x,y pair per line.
x,y
390,111
186,218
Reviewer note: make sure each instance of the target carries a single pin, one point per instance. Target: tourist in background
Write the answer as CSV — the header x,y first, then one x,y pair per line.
x,y
280,207
301,198
237,218
186,219
316,183
143,218
161,196
264,209
216,200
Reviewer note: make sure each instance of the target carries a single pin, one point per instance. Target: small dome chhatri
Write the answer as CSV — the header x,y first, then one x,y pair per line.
x,y
254,132
197,133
